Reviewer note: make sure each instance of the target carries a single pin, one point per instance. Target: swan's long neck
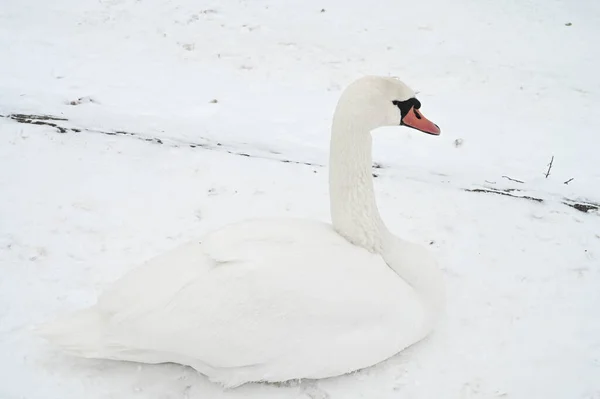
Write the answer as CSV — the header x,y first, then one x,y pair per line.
x,y
353,207
355,216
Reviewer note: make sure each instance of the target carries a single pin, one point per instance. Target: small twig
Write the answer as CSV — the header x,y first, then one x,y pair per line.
x,y
569,181
515,180
550,166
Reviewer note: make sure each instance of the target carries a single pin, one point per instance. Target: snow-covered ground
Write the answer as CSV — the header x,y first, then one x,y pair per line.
x,y
226,91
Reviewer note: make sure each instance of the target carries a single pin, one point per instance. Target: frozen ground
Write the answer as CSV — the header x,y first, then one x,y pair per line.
x,y
515,82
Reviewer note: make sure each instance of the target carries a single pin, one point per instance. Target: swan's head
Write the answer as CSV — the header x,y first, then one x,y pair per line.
x,y
376,101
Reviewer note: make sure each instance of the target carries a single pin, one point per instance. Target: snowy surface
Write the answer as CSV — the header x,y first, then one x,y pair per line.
x,y
515,82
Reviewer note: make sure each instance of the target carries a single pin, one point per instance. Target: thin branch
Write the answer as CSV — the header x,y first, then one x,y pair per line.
x,y
550,167
569,181
515,180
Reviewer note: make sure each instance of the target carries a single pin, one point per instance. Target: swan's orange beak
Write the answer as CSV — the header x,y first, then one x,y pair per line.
x,y
415,119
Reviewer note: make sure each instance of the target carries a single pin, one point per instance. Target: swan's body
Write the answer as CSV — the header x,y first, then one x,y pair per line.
x,y
273,300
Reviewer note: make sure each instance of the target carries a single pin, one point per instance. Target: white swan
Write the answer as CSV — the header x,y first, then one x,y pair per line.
x,y
274,300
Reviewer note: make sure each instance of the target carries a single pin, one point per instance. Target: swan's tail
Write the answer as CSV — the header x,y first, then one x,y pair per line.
x,y
81,333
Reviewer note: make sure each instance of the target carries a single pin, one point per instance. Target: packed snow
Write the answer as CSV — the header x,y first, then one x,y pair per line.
x,y
173,118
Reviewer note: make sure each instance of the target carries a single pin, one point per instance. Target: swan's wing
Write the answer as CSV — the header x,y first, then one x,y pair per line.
x,y
157,280
160,278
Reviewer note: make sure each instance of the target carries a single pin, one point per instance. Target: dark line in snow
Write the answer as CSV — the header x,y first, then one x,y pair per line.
x,y
177,143
585,207
37,117
208,144
506,192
